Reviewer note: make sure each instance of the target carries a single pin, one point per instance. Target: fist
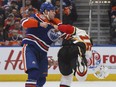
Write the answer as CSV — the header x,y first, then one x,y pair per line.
x,y
44,24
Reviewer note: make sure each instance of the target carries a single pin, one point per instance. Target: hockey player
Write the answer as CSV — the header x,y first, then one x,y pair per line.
x,y
73,53
40,34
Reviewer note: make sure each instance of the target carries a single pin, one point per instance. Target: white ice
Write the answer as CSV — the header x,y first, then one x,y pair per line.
x,y
56,84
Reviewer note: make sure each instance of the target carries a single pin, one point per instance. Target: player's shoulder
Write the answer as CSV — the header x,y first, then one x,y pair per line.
x,y
41,16
80,31
57,21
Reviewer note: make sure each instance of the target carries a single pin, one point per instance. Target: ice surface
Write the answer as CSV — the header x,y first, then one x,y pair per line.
x,y
56,84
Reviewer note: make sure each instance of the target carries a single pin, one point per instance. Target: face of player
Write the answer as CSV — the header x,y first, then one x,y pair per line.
x,y
51,14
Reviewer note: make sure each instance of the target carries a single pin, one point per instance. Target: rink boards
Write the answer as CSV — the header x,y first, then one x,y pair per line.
x,y
11,67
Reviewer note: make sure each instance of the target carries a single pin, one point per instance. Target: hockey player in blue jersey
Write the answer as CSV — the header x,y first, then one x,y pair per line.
x,y
40,34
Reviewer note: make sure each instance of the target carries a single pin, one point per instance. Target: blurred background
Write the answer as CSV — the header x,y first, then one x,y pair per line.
x,y
97,17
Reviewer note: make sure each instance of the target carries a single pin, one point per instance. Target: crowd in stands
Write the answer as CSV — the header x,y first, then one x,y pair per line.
x,y
112,16
12,11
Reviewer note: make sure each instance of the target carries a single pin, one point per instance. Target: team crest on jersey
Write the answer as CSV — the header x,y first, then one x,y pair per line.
x,y
54,36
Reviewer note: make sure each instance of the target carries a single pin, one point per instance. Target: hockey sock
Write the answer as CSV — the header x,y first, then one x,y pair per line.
x,y
64,86
41,81
30,83
66,80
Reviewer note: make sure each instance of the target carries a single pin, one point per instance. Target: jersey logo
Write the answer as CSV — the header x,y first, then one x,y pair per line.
x,y
86,39
53,36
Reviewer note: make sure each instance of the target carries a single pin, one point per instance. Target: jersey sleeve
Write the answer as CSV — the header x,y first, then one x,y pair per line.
x,y
66,29
29,23
56,21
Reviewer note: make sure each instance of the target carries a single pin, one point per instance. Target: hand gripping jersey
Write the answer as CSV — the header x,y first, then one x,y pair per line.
x,y
41,38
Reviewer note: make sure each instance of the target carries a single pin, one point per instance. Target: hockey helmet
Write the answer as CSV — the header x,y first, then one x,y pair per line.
x,y
46,6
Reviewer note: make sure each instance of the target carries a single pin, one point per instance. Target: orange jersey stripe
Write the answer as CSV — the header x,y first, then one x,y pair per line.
x,y
23,57
42,18
56,21
87,42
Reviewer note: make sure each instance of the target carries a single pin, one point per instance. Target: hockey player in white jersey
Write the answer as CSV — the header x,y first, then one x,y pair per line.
x,y
73,53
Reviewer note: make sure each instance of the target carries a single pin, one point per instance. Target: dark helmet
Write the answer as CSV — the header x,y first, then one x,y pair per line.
x,y
46,6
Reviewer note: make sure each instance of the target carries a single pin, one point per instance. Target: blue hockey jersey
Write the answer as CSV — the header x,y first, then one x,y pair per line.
x,y
41,38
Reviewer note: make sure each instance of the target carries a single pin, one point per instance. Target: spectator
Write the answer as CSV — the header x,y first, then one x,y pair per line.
x,y
30,11
23,10
9,6
1,34
1,2
113,3
2,16
16,35
69,11
14,4
36,4
12,33
9,13
8,25
112,17
19,3
113,32
16,13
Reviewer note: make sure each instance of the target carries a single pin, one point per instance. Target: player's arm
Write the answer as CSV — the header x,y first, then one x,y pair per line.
x,y
32,23
66,28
